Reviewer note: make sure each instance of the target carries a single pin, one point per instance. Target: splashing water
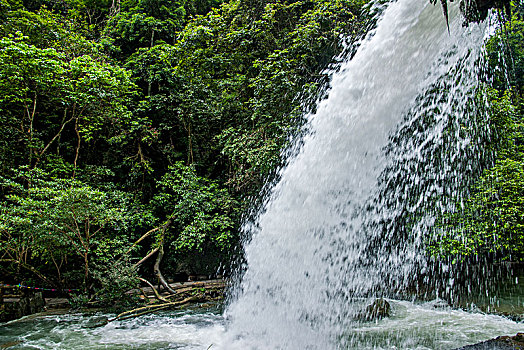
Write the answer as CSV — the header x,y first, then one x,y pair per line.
x,y
349,218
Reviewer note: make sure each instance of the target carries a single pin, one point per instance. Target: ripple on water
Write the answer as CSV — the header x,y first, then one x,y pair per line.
x,y
411,326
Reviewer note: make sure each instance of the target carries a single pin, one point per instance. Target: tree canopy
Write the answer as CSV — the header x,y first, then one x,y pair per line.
x,y
137,133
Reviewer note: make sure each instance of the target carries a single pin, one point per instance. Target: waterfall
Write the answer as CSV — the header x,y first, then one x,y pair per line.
x,y
349,217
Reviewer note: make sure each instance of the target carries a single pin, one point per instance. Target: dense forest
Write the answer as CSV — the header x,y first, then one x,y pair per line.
x,y
138,134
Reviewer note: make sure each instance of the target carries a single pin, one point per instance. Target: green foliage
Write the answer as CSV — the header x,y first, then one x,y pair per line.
x,y
47,30
44,93
203,215
491,220
78,300
235,84
506,57
145,23
113,279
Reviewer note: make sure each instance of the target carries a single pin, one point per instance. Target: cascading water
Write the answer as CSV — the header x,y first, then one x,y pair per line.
x,y
351,213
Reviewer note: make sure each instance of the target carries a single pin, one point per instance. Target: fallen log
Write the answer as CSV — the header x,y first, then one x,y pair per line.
x,y
144,310
151,308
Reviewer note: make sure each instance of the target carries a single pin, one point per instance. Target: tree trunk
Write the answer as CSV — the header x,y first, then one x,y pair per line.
x,y
77,147
158,273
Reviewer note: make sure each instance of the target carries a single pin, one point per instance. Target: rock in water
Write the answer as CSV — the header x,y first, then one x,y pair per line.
x,y
499,343
380,308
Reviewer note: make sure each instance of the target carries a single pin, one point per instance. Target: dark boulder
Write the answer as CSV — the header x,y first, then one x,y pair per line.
x,y
26,304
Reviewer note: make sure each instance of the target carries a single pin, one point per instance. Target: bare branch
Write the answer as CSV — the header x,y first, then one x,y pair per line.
x,y
146,257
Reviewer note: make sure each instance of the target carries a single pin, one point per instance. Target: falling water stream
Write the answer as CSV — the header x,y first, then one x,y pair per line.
x,y
349,217
386,150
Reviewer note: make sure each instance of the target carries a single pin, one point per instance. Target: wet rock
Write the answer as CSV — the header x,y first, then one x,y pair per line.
x,y
440,304
57,303
500,343
380,308
10,344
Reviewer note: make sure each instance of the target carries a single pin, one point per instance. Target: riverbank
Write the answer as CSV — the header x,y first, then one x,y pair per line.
x,y
23,303
178,295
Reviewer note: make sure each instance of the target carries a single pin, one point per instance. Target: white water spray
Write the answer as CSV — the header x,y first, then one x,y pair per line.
x,y
320,243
